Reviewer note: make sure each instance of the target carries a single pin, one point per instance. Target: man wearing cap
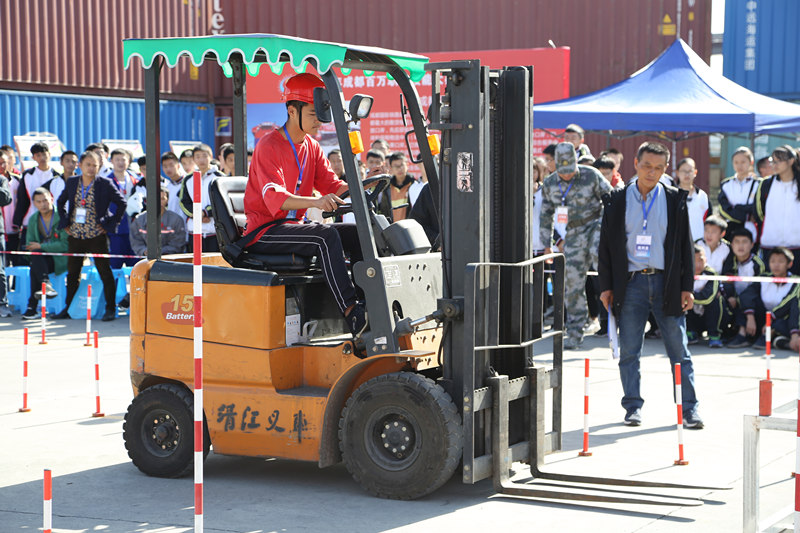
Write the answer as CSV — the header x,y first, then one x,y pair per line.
x,y
573,194
288,166
647,266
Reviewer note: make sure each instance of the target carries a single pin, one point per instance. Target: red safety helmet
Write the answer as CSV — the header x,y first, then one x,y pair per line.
x,y
301,88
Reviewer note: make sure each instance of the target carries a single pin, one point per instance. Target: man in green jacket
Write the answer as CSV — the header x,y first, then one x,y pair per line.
x,y
44,236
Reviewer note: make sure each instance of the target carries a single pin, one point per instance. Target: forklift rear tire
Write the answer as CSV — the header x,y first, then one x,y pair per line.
x,y
159,431
400,436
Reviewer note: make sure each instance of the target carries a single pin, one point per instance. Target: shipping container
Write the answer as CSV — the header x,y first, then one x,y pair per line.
x,y
610,39
79,120
76,45
761,46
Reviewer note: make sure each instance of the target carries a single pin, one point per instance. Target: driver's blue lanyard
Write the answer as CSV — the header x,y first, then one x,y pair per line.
x,y
646,212
301,168
564,194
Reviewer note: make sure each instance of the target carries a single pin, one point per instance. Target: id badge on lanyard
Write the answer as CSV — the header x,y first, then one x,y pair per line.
x,y
80,212
644,241
562,214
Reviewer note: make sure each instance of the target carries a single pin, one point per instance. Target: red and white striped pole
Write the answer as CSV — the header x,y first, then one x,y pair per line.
x,y
797,465
44,311
47,522
585,452
679,403
97,413
89,316
24,408
197,268
765,385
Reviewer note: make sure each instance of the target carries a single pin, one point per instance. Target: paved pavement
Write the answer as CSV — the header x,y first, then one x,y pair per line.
x,y
96,488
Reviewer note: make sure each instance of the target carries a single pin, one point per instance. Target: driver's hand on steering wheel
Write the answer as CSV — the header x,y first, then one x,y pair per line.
x,y
329,202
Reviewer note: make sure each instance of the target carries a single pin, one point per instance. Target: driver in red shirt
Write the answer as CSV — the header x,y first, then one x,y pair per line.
x,y
287,166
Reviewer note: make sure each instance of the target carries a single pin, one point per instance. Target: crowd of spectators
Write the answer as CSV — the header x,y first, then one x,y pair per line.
x,y
95,205
752,231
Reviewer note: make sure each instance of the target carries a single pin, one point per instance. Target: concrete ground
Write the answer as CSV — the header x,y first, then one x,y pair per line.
x,y
96,488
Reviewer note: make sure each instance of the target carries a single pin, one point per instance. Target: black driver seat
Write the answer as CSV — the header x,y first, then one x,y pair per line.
x,y
227,204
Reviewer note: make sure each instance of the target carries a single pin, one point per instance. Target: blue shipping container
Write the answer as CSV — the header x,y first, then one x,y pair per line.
x,y
81,120
761,46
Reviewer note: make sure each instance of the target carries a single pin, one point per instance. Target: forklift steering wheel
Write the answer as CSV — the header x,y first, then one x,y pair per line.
x,y
373,187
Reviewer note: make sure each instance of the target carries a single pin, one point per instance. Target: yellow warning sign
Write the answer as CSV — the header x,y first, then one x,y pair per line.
x,y
194,72
667,27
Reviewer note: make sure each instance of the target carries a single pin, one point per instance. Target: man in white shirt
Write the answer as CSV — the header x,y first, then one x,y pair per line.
x,y
201,155
32,179
173,178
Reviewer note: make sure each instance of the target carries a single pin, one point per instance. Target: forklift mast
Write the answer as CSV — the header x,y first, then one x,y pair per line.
x,y
485,117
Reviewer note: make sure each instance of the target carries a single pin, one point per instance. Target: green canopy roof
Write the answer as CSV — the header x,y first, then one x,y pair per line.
x,y
261,48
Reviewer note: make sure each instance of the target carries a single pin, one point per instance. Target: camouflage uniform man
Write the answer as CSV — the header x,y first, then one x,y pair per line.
x,y
573,194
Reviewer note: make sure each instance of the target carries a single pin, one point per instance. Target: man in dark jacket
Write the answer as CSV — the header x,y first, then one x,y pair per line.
x,y
88,220
646,264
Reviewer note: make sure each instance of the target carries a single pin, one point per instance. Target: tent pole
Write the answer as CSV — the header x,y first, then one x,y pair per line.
x,y
674,157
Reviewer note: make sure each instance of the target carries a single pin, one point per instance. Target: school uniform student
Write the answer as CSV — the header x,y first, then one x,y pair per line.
x,y
201,154
710,311
716,248
742,262
737,193
780,299
778,205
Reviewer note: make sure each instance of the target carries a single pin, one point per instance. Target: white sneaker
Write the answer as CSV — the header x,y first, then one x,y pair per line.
x,y
592,327
5,311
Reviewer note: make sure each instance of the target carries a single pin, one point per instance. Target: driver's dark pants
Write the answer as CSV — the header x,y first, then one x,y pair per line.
x,y
327,242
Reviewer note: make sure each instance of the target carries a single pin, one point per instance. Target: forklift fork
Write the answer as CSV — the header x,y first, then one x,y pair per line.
x,y
571,487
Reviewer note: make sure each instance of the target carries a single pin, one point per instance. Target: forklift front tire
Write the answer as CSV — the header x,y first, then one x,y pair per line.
x,y
159,431
400,436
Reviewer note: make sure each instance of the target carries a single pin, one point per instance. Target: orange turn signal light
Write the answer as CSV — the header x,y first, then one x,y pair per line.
x,y
356,143
434,144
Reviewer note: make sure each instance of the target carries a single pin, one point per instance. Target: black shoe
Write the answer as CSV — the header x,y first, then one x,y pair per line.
x,y
125,303
739,341
781,342
633,418
30,314
692,421
603,331
357,320
62,314
110,315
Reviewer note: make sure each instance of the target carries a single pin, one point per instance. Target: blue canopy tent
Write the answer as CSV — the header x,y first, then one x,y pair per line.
x,y
676,92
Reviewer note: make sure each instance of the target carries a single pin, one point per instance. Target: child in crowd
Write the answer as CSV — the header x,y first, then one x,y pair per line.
x,y
710,312
742,262
697,201
715,247
607,168
780,299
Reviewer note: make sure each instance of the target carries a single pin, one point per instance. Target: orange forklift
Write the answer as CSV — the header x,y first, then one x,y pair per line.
x,y
447,376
